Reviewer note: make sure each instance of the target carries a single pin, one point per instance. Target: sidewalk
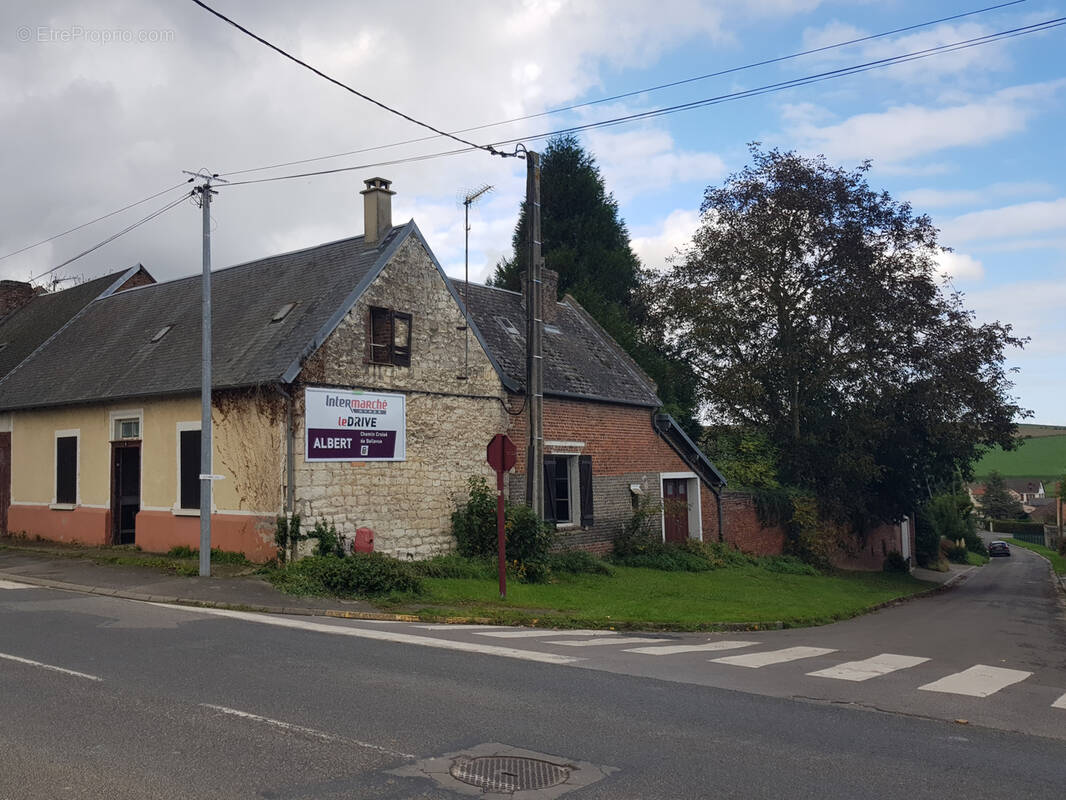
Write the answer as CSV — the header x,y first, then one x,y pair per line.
x,y
245,593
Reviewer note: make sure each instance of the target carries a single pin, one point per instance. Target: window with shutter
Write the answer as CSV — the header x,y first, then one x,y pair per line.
x,y
389,337
189,469
67,469
585,473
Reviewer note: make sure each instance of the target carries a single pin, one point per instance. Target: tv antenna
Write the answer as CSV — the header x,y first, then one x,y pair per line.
x,y
471,197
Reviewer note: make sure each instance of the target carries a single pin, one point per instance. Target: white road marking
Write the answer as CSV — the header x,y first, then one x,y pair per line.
x,y
756,660
532,632
671,649
1060,703
14,585
869,668
379,635
605,640
289,727
63,670
979,680
446,627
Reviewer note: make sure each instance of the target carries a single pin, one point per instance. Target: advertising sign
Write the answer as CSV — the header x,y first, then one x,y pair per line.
x,y
345,425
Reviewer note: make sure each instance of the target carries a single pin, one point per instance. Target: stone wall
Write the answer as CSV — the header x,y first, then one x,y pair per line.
x,y
450,418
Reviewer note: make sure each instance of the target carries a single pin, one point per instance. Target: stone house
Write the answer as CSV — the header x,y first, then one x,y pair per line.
x,y
354,382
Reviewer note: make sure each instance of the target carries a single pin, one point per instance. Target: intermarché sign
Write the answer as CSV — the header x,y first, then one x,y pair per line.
x,y
355,426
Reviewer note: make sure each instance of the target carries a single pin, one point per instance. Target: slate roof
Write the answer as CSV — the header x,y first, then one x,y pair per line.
x,y
107,352
580,360
27,328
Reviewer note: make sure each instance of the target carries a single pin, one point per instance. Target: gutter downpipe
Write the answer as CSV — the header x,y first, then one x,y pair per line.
x,y
717,492
290,455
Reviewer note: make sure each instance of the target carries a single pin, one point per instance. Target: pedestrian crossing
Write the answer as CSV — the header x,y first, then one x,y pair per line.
x,y
873,667
14,585
758,660
977,681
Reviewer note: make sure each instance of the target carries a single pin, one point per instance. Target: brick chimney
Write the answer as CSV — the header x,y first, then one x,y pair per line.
x,y
377,210
549,287
14,295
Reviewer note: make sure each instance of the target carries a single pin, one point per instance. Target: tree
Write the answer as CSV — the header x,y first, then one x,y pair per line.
x,y
586,242
998,502
812,309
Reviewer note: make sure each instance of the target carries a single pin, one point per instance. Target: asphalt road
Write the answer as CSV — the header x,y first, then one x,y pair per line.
x,y
172,702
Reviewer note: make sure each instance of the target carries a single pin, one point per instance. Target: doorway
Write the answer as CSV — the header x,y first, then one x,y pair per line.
x,y
125,490
675,509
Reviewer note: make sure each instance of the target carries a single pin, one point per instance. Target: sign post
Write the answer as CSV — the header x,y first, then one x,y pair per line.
x,y
501,457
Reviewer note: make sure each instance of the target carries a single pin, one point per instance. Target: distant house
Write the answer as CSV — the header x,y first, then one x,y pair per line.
x,y
1025,490
354,382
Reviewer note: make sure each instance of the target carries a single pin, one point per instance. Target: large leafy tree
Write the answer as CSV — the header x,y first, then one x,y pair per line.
x,y
584,239
812,308
997,501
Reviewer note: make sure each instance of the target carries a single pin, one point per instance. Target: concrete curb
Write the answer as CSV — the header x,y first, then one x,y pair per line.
x,y
342,613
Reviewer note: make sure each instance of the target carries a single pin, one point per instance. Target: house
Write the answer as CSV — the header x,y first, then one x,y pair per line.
x,y
352,382
1025,489
29,317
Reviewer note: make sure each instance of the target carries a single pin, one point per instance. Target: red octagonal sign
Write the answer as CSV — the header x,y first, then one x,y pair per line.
x,y
500,453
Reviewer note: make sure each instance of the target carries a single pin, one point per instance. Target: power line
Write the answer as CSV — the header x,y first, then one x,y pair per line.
x,y
94,221
112,238
346,87
738,95
636,92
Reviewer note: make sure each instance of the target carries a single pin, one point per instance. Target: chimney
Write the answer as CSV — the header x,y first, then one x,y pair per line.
x,y
549,287
14,295
377,210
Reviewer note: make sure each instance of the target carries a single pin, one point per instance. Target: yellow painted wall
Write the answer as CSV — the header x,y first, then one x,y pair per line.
x,y
248,452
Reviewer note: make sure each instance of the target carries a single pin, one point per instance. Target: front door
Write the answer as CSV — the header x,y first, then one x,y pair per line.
x,y
125,490
675,508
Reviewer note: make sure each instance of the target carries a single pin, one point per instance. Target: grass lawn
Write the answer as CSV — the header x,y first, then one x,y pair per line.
x,y
976,559
646,598
1042,458
1058,563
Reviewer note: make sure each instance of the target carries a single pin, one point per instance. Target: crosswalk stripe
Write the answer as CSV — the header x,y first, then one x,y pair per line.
x,y
756,660
672,649
531,632
869,668
1060,703
979,680
606,640
444,626
14,585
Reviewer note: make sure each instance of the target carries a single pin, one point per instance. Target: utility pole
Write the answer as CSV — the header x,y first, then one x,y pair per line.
x,y
205,191
534,340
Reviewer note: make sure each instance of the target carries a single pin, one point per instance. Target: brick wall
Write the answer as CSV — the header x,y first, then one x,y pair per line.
x,y
869,552
742,527
14,295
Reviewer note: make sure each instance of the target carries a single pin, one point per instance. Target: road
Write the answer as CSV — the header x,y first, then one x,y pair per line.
x,y
161,702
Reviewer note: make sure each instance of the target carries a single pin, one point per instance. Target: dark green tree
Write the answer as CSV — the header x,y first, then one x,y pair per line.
x,y
998,502
586,242
812,309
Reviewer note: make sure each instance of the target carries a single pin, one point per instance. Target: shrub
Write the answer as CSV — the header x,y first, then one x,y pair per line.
x,y
474,522
1016,526
786,565
360,575
327,541
895,562
287,536
641,533
945,516
529,543
454,565
957,554
218,555
668,558
578,562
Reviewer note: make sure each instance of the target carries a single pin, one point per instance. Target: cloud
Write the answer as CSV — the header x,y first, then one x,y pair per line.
x,y
1008,222
674,233
911,131
960,265
938,198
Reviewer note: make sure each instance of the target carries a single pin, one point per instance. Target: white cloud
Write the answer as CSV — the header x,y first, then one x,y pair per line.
x,y
1008,222
675,232
938,198
960,265
905,132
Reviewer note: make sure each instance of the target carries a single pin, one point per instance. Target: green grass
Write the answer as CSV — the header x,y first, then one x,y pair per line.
x,y
976,559
635,597
1042,458
1058,563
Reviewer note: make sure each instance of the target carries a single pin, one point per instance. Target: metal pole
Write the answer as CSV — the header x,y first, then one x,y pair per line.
x,y
205,391
534,333
466,286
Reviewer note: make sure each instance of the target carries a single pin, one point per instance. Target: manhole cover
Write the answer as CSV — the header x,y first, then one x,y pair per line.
x,y
508,773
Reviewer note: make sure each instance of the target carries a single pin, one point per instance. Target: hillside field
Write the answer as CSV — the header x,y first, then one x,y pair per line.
x,y
1042,457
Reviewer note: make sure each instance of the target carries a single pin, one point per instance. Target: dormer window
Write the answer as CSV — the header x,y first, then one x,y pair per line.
x,y
283,312
389,337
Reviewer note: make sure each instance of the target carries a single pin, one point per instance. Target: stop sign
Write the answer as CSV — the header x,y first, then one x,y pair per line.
x,y
500,453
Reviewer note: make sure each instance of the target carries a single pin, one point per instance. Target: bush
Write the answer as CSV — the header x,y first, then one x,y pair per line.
x,y
578,562
454,565
327,541
895,562
641,532
668,558
1016,526
945,516
474,522
956,554
360,575
787,565
529,543
287,537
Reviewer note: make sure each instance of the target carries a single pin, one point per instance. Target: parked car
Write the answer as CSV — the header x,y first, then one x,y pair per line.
x,y
999,548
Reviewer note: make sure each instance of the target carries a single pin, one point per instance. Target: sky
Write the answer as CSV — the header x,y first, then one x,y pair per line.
x,y
104,103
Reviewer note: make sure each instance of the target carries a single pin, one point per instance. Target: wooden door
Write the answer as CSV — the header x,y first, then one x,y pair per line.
x,y
675,508
5,479
125,490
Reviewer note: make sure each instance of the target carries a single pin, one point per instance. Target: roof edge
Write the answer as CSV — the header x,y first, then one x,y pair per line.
x,y
674,435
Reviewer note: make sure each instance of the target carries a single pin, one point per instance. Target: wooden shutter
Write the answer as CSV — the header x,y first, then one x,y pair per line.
x,y
189,479
584,464
67,469
380,341
549,488
400,334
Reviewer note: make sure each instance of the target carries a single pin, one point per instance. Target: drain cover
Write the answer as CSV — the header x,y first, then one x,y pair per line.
x,y
508,773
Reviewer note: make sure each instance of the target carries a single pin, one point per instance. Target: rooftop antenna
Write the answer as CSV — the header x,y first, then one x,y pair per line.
x,y
471,198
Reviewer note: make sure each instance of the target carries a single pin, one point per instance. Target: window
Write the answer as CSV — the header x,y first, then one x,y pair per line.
x,y
568,490
389,340
67,469
189,469
128,428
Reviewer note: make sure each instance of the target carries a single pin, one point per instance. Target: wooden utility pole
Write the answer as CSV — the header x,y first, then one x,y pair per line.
x,y
534,340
